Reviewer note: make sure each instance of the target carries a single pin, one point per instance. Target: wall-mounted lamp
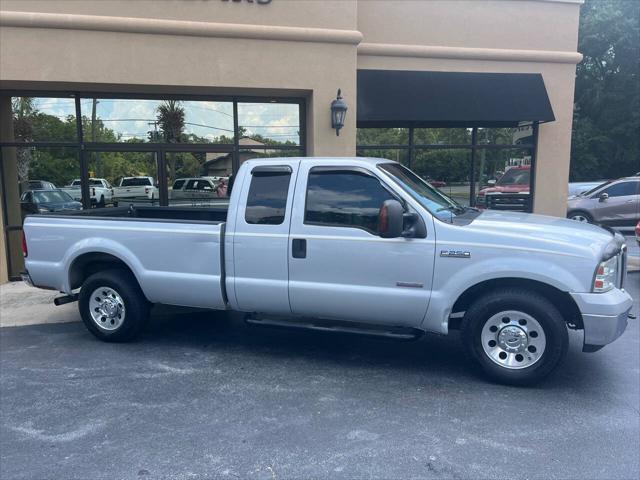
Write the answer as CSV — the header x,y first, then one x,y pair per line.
x,y
338,112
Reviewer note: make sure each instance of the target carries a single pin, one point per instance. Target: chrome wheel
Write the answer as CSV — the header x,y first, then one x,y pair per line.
x,y
107,308
513,339
579,218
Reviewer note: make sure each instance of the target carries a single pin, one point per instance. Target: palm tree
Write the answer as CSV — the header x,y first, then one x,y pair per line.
x,y
170,118
23,113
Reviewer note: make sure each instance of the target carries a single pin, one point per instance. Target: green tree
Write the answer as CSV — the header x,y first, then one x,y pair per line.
x,y
606,121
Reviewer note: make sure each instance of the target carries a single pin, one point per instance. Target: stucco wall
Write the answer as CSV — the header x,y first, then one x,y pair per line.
x,y
301,48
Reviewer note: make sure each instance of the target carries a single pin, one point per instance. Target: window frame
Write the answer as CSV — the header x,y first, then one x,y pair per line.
x,y
269,169
347,169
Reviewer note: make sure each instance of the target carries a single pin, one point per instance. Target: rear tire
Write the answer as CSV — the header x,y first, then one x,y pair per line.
x,y
112,306
580,216
101,203
516,336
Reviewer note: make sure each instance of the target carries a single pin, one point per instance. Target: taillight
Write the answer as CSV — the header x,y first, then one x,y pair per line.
x,y
146,189
93,192
25,251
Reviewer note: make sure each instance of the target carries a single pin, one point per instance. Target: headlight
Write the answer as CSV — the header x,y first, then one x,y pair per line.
x,y
606,275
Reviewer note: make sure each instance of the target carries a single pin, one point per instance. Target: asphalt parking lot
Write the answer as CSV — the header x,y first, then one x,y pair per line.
x,y
204,396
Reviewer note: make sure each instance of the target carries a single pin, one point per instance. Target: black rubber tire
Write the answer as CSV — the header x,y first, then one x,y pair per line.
x,y
101,203
532,303
136,305
580,212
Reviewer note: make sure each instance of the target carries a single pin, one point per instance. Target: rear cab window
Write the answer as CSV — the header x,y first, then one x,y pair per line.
x,y
267,197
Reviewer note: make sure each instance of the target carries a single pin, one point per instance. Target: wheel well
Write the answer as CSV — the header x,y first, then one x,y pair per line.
x,y
89,263
562,300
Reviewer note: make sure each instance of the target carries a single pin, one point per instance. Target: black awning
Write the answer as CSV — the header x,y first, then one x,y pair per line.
x,y
388,98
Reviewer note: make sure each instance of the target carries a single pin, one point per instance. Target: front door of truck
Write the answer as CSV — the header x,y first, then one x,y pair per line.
x,y
258,275
339,267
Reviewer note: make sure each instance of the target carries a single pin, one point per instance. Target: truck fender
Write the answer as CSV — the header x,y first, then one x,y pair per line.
x,y
445,295
101,245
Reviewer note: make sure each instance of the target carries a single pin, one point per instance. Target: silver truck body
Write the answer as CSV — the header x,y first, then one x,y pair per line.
x,y
348,273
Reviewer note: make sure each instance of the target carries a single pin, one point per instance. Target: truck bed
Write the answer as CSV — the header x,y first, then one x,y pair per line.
x,y
174,252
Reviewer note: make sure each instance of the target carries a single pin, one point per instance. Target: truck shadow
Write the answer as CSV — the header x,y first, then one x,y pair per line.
x,y
440,358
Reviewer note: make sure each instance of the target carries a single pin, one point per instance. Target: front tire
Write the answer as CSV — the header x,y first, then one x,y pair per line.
x,y
516,336
112,306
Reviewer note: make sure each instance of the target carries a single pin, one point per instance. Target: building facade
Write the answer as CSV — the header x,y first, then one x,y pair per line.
x,y
112,101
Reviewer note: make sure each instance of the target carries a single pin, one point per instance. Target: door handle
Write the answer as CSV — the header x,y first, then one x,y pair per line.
x,y
299,248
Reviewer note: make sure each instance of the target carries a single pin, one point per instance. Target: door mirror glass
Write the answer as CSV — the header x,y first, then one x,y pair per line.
x,y
603,197
390,219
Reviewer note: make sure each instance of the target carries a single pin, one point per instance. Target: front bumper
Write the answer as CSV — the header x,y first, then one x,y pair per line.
x,y
604,316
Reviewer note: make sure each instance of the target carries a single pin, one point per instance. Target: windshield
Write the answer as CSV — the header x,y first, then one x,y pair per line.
x,y
515,177
430,198
593,190
51,196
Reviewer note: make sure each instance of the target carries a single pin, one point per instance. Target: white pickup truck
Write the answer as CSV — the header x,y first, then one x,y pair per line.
x,y
136,188
345,244
100,191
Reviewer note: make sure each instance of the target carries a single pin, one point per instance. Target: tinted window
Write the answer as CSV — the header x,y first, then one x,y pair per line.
x,y
267,198
191,185
622,189
344,199
516,176
93,183
135,182
178,184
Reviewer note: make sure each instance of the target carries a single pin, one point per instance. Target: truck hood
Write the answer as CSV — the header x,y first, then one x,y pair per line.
x,y
540,232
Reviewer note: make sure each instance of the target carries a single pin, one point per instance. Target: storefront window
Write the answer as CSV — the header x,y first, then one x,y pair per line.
x,y
199,179
522,135
44,119
382,136
270,124
447,170
442,136
156,121
504,172
117,178
466,170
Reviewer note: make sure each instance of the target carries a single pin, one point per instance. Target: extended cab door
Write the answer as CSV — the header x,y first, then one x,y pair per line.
x,y
259,233
339,267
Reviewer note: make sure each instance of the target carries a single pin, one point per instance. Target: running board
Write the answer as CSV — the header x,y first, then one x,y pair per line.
x,y
390,332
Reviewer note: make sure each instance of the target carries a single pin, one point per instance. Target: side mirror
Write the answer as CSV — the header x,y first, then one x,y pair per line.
x,y
603,197
390,219
414,226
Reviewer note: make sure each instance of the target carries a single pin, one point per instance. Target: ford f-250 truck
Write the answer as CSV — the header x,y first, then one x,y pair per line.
x,y
345,244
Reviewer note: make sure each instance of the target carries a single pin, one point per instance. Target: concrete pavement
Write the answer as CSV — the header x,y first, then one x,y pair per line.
x,y
205,396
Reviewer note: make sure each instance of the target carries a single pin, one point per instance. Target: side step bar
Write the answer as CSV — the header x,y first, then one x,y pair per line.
x,y
390,332
66,299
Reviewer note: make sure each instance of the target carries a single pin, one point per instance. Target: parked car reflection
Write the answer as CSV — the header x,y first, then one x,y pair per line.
x,y
46,201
